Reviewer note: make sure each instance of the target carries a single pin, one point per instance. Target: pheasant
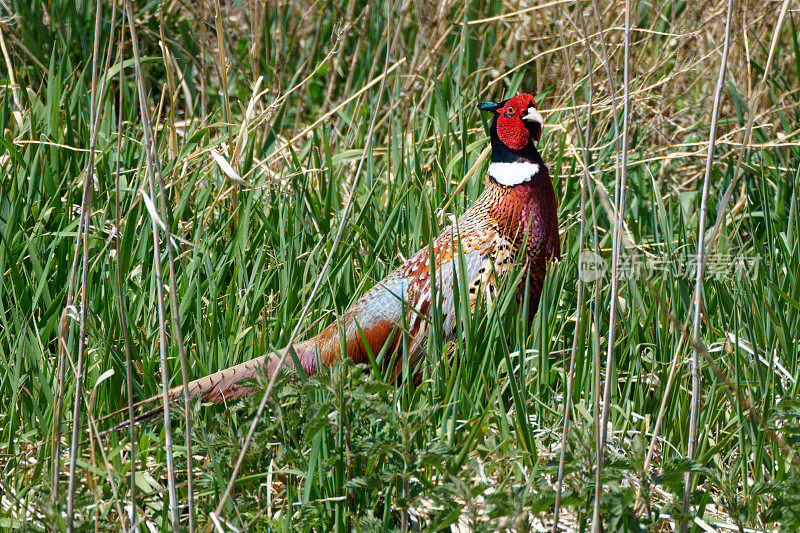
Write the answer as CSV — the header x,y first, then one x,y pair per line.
x,y
514,216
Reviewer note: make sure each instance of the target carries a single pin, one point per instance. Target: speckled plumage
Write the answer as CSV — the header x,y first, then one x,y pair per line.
x,y
492,234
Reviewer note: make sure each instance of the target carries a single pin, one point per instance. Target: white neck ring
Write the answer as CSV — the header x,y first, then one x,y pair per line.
x,y
510,174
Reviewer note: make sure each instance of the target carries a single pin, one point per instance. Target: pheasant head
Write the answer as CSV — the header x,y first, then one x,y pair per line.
x,y
516,125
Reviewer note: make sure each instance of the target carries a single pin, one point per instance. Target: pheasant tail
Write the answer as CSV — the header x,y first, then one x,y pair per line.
x,y
225,384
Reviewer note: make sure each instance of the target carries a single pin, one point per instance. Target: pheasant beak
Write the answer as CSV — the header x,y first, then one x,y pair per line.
x,y
535,122
533,115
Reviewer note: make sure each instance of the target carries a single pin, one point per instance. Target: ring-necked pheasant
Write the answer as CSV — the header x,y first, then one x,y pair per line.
x,y
517,209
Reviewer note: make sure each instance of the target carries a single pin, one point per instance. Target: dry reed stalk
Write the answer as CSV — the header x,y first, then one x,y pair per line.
x,y
83,234
698,287
149,145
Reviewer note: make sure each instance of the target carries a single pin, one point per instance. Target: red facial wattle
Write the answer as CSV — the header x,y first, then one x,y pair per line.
x,y
510,128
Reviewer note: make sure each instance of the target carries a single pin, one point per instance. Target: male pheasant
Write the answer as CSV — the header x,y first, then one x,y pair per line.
x,y
514,216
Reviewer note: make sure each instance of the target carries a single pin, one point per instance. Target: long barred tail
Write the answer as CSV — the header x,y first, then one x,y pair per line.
x,y
225,384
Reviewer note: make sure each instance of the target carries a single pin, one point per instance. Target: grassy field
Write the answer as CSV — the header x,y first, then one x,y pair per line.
x,y
289,135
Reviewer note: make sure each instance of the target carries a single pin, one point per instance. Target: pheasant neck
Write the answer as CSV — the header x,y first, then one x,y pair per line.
x,y
512,167
522,210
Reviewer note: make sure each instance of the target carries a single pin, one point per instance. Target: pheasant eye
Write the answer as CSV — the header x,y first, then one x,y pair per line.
x,y
510,110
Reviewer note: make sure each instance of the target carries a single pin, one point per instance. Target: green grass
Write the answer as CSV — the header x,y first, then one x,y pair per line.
x,y
477,440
